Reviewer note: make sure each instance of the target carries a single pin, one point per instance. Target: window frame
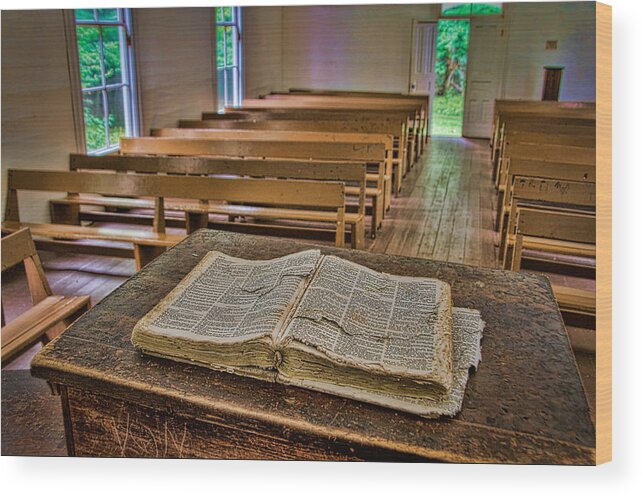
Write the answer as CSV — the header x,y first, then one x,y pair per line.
x,y
127,83
471,15
237,66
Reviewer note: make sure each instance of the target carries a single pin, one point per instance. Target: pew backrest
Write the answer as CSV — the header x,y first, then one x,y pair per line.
x,y
368,152
556,225
270,191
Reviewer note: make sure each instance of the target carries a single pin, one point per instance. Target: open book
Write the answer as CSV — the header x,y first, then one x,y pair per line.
x,y
322,323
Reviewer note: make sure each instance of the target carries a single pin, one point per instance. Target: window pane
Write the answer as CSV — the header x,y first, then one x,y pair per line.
x,y
227,13
219,14
85,14
456,9
220,46
94,121
108,14
230,86
112,54
221,89
116,117
485,9
229,48
89,55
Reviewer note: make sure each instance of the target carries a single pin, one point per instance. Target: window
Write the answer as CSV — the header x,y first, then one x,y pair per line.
x,y
471,9
106,76
229,89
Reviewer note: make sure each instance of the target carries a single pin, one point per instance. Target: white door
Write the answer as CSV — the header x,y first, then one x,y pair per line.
x,y
487,46
422,75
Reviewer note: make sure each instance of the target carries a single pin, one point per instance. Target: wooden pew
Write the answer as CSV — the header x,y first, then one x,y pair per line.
x,y
301,200
552,136
379,193
389,128
411,111
555,230
568,203
348,173
424,99
536,110
531,167
317,151
50,313
267,109
366,118
542,153
550,126
421,102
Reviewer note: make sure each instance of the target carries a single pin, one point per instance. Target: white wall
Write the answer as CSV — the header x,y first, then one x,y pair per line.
x,y
37,120
262,49
530,25
352,47
175,59
367,47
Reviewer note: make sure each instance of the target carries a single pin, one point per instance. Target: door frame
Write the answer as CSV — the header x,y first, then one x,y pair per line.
x,y
500,88
414,26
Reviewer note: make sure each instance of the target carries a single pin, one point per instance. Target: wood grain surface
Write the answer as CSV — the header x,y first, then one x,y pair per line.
x,y
525,404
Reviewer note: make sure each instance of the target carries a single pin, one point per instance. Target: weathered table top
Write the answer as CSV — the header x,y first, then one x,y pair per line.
x,y
525,403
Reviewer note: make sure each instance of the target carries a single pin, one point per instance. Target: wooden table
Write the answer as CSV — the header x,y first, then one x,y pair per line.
x,y
525,404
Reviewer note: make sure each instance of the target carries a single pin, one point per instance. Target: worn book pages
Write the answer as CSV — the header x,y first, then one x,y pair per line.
x,y
467,334
323,323
390,331
227,312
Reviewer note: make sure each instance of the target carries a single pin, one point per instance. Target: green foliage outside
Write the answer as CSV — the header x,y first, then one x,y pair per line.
x,y
468,9
90,39
447,115
225,37
225,47
451,65
224,14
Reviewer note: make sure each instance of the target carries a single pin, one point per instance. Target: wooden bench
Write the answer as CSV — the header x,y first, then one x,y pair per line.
x,y
278,150
585,138
557,130
293,200
420,99
396,123
421,104
556,231
50,313
146,244
353,174
379,193
409,113
403,138
388,128
536,108
559,219
547,155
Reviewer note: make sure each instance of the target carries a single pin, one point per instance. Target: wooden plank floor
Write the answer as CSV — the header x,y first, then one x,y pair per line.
x,y
445,212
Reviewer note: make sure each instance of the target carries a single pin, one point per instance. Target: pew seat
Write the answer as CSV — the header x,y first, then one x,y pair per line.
x,y
539,244
575,300
50,313
147,244
193,211
32,325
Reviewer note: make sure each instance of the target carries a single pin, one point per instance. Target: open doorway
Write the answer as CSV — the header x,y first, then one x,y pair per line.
x,y
451,52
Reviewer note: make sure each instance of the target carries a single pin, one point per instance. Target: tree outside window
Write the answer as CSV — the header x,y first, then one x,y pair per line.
x,y
471,9
229,91
104,52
